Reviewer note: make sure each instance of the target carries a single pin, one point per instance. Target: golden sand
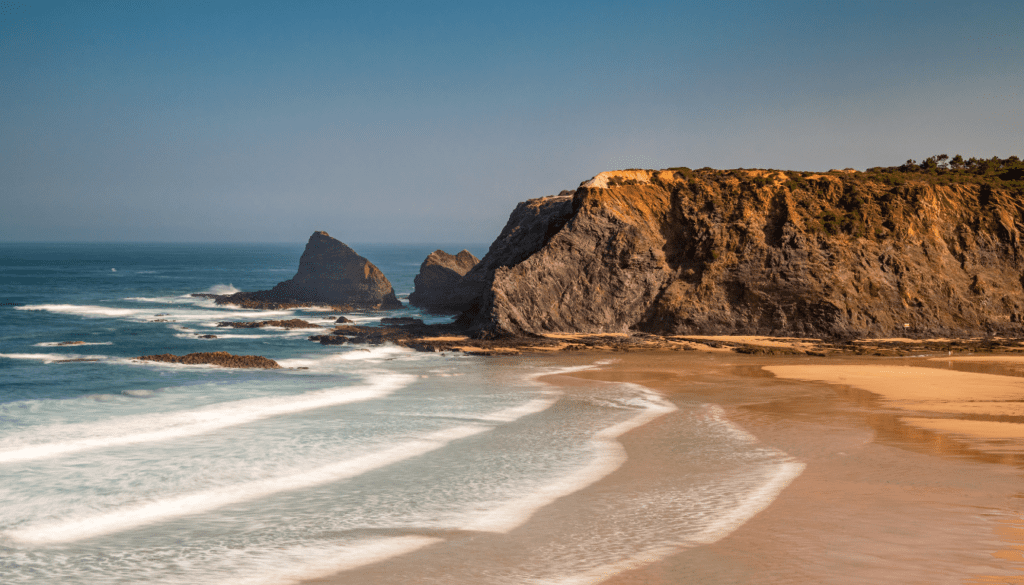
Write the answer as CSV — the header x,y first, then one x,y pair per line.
x,y
760,340
963,395
1012,359
984,429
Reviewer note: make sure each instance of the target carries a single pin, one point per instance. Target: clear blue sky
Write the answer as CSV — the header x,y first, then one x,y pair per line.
x,y
429,121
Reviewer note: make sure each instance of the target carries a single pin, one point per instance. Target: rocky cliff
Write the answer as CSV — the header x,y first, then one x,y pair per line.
x,y
330,273
438,286
834,254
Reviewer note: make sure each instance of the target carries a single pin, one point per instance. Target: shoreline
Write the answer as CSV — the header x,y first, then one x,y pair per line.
x,y
880,500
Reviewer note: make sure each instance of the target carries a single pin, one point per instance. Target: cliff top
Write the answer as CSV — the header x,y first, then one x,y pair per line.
x,y
935,170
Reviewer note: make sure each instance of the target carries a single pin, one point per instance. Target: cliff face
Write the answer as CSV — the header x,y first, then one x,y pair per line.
x,y
438,286
766,252
330,273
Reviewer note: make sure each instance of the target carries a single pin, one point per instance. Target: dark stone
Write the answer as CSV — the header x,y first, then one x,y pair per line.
x,y
287,324
330,273
216,358
343,319
207,336
401,321
438,286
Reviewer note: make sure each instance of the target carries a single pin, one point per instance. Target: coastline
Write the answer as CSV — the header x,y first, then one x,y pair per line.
x,y
879,499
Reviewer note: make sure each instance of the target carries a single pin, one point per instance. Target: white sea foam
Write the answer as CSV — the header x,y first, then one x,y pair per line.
x,y
752,504
66,344
557,371
343,358
608,456
165,300
133,516
717,413
161,427
83,310
517,412
291,565
191,314
221,289
723,524
49,358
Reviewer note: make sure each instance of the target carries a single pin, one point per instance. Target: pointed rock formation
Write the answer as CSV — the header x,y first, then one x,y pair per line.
x,y
438,286
330,273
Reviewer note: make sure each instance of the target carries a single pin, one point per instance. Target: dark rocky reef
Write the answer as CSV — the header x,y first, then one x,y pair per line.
x,y
287,324
215,358
836,255
438,286
330,274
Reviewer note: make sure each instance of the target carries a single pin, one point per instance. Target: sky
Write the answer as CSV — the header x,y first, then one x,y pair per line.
x,y
419,122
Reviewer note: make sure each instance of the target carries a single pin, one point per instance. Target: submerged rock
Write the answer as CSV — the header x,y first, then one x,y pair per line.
x,y
330,273
438,286
215,358
287,324
401,321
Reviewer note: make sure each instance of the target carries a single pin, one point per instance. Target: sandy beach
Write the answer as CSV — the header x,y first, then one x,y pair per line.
x,y
894,484
885,497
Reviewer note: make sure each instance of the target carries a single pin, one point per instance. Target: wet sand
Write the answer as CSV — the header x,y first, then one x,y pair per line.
x,y
883,497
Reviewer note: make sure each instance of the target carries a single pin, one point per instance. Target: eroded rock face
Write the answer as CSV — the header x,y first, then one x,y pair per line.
x,y
438,286
759,252
330,273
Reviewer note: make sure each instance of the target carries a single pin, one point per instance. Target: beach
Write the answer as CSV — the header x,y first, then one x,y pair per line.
x,y
722,460
884,498
882,495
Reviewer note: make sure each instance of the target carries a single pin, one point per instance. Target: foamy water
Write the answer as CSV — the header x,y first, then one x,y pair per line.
x,y
114,470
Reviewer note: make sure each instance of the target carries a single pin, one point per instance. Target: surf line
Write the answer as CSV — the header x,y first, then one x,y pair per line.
x,y
129,517
196,422
609,456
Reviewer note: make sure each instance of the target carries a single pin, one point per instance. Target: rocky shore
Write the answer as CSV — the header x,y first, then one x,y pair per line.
x,y
453,337
287,324
215,358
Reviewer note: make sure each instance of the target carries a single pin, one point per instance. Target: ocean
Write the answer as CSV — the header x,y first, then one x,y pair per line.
x,y
114,470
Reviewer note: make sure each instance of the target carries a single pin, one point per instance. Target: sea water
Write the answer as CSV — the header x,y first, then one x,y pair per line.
x,y
114,470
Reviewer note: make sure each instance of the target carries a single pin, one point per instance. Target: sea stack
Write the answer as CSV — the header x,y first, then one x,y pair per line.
x,y
438,286
330,273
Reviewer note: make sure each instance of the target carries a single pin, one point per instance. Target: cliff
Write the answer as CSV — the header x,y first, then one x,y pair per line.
x,y
836,254
330,273
438,286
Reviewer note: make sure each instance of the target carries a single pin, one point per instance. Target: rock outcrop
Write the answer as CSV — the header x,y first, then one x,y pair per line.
x,y
331,274
438,286
287,324
836,255
215,358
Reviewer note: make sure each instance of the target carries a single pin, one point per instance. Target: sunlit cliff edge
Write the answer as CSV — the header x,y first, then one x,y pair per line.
x,y
891,251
